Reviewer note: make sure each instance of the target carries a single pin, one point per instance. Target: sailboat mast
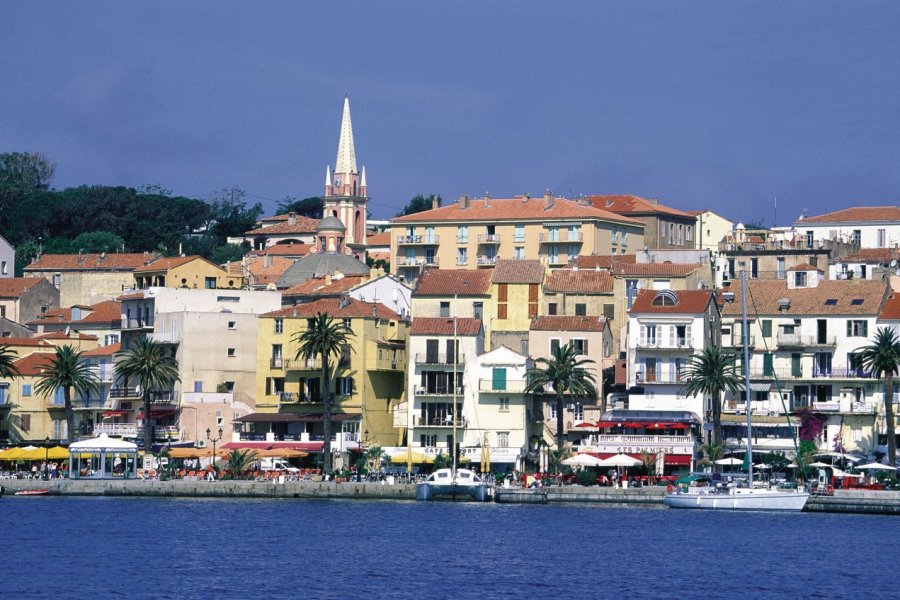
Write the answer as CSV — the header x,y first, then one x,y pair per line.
x,y
455,384
746,331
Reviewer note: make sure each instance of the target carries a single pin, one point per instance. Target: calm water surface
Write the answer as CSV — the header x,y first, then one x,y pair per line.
x,y
185,548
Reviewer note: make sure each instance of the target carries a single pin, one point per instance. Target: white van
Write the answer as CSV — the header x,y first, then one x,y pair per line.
x,y
277,464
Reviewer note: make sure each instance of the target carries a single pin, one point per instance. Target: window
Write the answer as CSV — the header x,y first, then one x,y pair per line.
x,y
504,404
580,310
428,440
880,241
209,283
800,279
780,271
857,328
533,299
498,381
279,325
580,345
25,420
347,324
609,311
578,411
551,308
462,234
554,345
519,252
462,256
231,352
110,338
477,309
227,298
229,386
501,311
3,268
232,324
768,364
345,386
766,325
503,439
56,278
444,309
553,255
198,387
520,233
26,389
795,365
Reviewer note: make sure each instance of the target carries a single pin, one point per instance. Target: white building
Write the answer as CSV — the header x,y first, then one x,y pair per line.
x,y
388,290
866,226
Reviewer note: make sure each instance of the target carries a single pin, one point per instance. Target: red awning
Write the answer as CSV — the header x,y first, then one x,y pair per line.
x,y
587,425
606,424
114,413
159,413
678,459
306,446
635,424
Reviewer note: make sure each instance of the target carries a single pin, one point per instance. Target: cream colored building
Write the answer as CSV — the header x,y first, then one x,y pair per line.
x,y
87,279
476,233
455,293
712,228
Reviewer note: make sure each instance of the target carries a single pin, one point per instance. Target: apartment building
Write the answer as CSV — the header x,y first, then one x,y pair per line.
x,y
86,279
861,226
664,227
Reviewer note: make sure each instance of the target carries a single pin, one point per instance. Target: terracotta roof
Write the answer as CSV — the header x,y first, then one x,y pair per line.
x,y
131,296
385,256
91,262
603,261
518,271
805,267
871,255
447,282
54,315
108,311
831,297
580,281
514,209
855,214
567,323
633,205
655,269
35,363
891,309
31,342
444,326
283,226
689,302
168,262
61,335
13,287
107,350
256,265
293,249
318,286
379,239
352,309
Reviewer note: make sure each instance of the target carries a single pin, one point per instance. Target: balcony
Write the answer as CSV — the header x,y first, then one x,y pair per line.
x,y
411,262
510,386
562,237
487,261
830,407
164,397
297,398
420,240
660,344
438,390
390,362
793,340
641,377
166,337
133,323
488,238
430,261
162,433
118,392
276,362
840,373
440,422
440,360
116,429
303,364
738,342
104,373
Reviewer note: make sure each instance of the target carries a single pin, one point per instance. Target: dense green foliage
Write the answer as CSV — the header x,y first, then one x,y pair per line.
x,y
308,207
419,203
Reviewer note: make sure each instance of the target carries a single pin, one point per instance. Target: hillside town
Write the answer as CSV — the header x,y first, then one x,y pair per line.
x,y
445,312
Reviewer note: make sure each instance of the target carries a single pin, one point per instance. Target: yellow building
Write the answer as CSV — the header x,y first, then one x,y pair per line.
x,y
476,233
369,383
455,293
88,278
27,417
194,272
516,292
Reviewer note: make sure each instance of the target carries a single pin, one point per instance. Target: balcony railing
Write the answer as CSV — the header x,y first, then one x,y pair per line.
x,y
410,261
116,429
418,239
657,377
430,261
664,344
834,406
161,433
276,362
166,337
440,359
163,397
489,238
137,323
487,261
510,386
440,422
297,398
561,237
123,392
803,341
438,390
840,373
104,373
303,364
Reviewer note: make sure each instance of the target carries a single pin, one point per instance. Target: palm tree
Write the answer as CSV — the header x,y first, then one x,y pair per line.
x,y
66,370
565,373
324,338
239,462
711,453
882,359
8,358
154,367
712,372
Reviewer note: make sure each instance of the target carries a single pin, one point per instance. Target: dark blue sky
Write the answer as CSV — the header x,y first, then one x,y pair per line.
x,y
701,104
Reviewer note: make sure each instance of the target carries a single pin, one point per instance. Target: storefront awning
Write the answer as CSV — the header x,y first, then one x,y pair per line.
x,y
154,414
293,418
760,387
305,446
115,413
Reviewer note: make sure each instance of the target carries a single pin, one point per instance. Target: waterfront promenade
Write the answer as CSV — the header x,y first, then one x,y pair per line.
x,y
844,501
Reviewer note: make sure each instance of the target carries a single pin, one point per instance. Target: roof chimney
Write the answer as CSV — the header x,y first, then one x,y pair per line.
x,y
267,260
784,304
524,197
549,200
435,203
487,200
292,218
464,201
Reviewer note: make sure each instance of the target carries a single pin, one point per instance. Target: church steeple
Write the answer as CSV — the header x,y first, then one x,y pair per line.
x,y
345,188
346,154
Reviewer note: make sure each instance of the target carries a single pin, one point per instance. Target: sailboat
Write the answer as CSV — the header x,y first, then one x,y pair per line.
x,y
733,496
454,482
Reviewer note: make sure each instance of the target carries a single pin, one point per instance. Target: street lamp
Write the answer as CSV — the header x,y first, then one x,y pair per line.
x,y
213,440
47,459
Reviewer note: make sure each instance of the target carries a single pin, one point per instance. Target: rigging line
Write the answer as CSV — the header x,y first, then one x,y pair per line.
x,y
778,387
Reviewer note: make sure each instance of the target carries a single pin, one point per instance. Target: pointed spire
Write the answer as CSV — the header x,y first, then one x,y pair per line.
x,y
346,154
362,181
327,176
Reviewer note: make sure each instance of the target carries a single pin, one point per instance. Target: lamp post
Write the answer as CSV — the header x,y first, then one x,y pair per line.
x,y
214,440
47,458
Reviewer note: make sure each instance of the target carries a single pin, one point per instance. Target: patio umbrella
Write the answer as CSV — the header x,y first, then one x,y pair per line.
x,y
730,461
874,466
763,466
819,464
619,460
582,460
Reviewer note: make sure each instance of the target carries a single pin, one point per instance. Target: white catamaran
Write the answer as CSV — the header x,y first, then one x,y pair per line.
x,y
733,496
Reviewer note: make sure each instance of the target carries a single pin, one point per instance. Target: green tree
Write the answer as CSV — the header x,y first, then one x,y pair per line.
x,y
240,461
230,216
98,241
227,253
154,367
881,359
564,373
324,338
22,173
66,370
308,207
710,454
8,358
419,203
25,254
712,372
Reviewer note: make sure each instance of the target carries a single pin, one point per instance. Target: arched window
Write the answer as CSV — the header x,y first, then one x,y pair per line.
x,y
665,298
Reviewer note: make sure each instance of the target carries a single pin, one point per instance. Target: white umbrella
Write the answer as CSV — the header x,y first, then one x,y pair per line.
x,y
763,466
730,461
874,466
819,464
619,460
582,460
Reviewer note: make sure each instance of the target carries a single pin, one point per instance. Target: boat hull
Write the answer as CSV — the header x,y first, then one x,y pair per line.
x,y
739,500
434,491
32,492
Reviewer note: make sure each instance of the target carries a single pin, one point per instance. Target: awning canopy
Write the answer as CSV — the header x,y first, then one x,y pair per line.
x,y
305,446
163,412
293,418
103,443
760,387
116,413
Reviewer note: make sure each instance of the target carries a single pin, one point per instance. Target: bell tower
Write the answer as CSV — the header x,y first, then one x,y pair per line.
x,y
345,189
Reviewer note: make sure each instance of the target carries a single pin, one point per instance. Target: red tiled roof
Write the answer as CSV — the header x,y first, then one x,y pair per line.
x,y
690,302
567,323
61,335
32,342
518,271
633,205
318,286
872,255
805,267
444,326
447,282
379,239
107,350
33,364
13,287
856,214
386,256
293,249
514,209
891,309
580,281
108,311
283,226
603,261
764,294
91,262
655,269
168,262
131,296
259,271
352,309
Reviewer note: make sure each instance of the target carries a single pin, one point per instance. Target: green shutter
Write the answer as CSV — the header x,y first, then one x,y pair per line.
x,y
767,328
768,368
499,381
795,365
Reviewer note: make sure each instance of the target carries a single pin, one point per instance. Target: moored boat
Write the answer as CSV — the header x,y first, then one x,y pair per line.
x,y
737,498
41,492
450,483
